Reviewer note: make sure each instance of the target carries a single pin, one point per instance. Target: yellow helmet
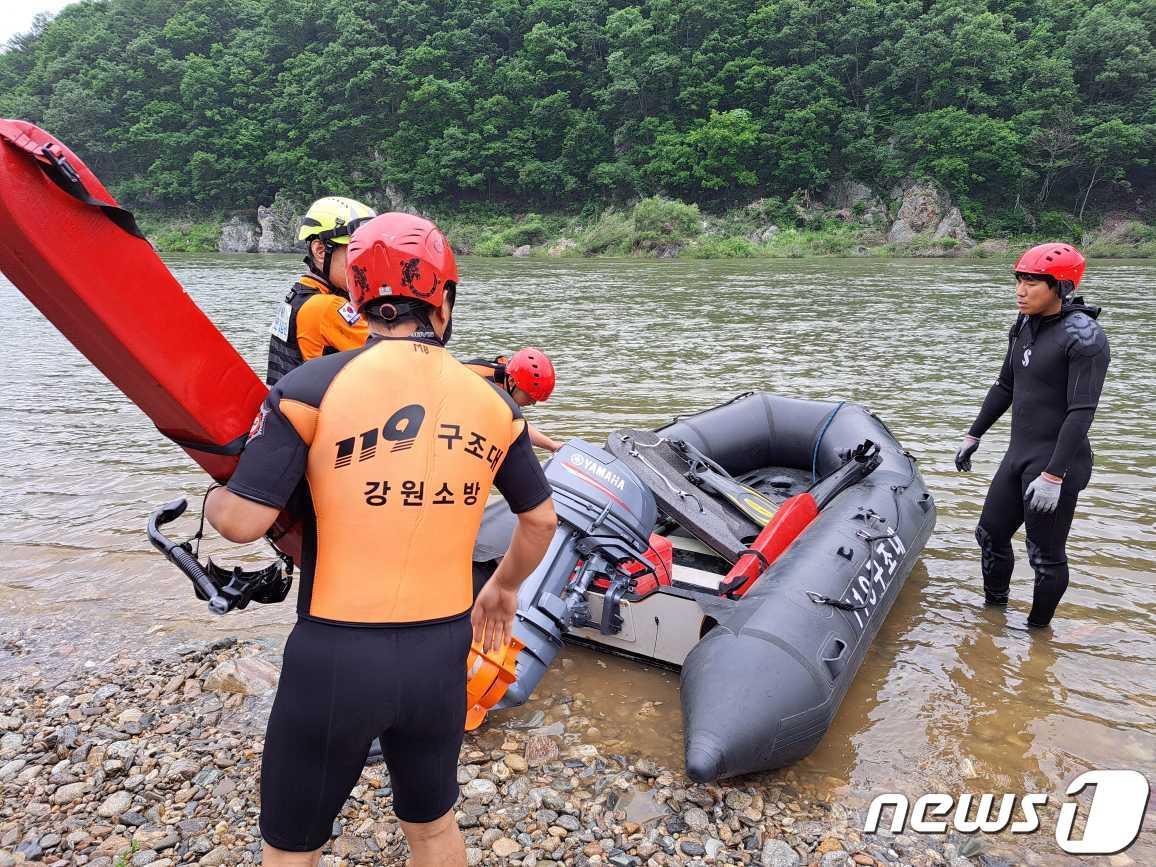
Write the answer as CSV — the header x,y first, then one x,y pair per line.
x,y
333,219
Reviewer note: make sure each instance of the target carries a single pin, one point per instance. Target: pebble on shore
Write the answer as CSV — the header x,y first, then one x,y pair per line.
x,y
156,762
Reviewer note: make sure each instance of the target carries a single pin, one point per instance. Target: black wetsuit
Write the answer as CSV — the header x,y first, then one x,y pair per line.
x,y
1051,378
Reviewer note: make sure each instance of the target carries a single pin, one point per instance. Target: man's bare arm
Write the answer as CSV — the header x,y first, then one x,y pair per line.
x,y
497,603
541,441
238,519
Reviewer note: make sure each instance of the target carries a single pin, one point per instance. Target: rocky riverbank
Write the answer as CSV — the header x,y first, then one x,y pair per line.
x,y
849,218
155,761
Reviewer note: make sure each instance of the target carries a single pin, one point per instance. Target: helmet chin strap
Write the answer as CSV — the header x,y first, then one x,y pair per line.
x,y
326,261
504,378
452,294
426,331
430,333
326,267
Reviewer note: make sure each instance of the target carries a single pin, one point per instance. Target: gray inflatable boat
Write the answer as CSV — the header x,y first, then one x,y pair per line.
x,y
758,546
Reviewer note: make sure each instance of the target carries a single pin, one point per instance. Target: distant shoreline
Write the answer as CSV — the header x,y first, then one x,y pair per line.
x,y
668,229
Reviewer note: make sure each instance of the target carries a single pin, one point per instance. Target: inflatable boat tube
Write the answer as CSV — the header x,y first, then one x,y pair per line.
x,y
763,685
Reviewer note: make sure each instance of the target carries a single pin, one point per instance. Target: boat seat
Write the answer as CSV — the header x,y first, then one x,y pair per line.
x,y
697,579
690,543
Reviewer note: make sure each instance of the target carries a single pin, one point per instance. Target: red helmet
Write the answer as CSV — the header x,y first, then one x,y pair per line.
x,y
399,256
532,371
1057,260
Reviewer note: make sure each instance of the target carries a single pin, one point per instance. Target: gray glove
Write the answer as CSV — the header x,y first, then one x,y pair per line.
x,y
966,450
1043,494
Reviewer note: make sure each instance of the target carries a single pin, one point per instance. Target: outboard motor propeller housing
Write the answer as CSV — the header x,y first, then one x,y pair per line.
x,y
605,516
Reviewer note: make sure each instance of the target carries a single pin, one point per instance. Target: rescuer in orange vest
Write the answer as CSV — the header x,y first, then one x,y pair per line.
x,y
317,317
397,445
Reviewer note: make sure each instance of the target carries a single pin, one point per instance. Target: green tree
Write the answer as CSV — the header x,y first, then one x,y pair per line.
x,y
580,103
1113,57
715,154
964,152
1110,149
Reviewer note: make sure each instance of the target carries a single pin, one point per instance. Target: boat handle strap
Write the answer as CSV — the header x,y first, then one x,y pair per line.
x,y
820,599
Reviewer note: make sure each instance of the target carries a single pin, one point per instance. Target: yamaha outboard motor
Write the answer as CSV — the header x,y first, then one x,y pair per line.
x,y
605,518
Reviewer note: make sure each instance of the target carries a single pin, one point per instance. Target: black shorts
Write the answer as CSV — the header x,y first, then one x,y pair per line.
x,y
342,686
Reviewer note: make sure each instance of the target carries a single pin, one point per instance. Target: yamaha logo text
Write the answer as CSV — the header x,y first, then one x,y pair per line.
x,y
598,471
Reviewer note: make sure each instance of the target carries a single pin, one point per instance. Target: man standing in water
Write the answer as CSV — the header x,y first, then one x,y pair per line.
x,y
1051,378
398,445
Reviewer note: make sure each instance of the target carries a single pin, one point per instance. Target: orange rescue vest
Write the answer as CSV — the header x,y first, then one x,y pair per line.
x,y
403,450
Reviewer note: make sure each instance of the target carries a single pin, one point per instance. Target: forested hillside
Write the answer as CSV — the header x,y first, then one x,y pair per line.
x,y
1030,104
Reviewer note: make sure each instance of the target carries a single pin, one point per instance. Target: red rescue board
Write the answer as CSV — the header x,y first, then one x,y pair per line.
x,y
79,258
109,293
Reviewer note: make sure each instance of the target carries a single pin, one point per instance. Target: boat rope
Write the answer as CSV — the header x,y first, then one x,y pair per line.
x,y
822,433
890,534
899,489
637,445
635,453
743,396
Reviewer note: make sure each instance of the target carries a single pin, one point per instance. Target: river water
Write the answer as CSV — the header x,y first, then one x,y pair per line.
x,y
948,699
